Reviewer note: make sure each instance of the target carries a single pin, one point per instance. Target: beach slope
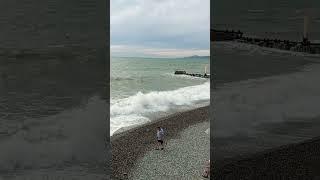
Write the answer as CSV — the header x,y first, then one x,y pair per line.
x,y
130,146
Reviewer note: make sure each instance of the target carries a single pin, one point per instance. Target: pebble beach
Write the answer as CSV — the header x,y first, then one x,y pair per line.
x,y
187,147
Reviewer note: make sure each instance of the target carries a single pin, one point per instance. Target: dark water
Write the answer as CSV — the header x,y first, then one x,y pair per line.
x,y
267,18
53,103
47,83
53,89
39,24
231,63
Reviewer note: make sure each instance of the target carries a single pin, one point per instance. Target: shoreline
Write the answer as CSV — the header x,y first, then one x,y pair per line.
x,y
130,145
123,130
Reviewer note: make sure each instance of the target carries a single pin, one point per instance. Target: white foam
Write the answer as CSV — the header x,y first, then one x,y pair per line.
x,y
135,109
182,76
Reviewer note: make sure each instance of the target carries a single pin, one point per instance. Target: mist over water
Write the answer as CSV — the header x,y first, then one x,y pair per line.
x,y
143,88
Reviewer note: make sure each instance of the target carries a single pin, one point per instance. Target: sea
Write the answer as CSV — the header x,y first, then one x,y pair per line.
x,y
281,19
53,108
145,89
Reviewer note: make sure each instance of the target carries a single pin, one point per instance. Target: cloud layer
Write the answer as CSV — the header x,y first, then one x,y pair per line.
x,y
171,25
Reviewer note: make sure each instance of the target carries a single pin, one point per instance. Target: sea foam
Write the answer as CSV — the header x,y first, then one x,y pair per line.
x,y
137,108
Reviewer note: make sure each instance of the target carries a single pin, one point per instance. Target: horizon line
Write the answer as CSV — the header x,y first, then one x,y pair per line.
x,y
157,57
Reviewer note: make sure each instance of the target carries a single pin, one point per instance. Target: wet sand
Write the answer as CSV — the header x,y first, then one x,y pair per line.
x,y
131,145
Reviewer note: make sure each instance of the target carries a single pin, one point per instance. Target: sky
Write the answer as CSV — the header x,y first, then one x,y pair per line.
x,y
160,28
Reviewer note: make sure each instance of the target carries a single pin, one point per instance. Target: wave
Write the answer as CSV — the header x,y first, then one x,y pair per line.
x,y
122,79
185,77
71,137
139,78
136,109
128,78
316,41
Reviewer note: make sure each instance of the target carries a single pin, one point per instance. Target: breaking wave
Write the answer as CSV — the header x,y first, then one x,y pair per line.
x,y
136,109
182,76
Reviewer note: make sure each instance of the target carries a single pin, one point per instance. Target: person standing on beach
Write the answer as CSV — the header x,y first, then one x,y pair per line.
x,y
160,137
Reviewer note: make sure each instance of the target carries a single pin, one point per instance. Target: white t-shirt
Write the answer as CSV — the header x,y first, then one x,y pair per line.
x,y
160,134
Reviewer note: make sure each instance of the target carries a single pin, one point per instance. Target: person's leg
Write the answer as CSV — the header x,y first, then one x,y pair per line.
x,y
162,145
158,145
205,173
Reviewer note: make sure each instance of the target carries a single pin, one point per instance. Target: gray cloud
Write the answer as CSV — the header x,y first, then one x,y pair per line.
x,y
176,24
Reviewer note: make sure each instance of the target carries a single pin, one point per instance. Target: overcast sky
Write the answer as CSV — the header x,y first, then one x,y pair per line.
x,y
160,28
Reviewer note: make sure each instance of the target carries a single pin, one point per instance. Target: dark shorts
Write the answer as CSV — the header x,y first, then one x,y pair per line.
x,y
160,141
